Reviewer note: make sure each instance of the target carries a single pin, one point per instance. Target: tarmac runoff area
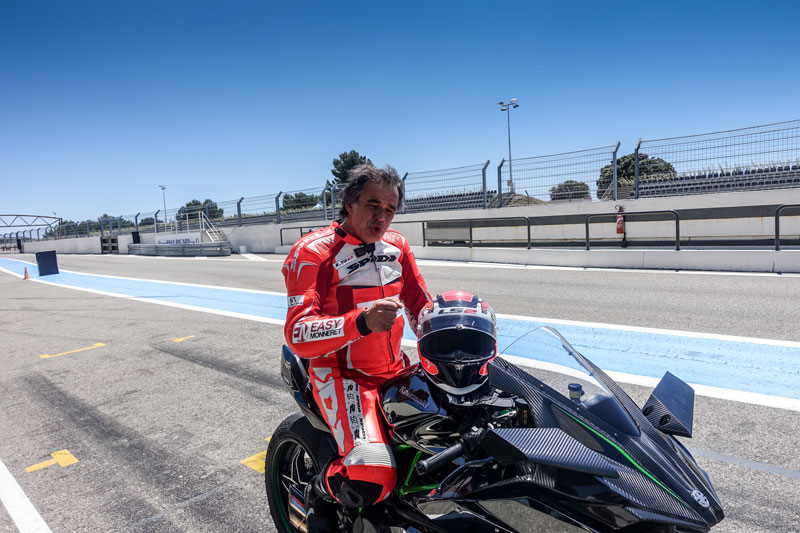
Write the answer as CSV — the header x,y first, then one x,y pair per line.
x,y
123,415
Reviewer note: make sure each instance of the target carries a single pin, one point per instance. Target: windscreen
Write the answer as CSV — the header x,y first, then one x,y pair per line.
x,y
559,365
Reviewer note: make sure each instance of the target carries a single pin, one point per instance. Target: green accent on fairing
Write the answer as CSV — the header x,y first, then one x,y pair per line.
x,y
400,447
624,453
417,488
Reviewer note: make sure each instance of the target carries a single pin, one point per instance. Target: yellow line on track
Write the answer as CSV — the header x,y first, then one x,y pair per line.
x,y
95,345
181,339
61,457
258,461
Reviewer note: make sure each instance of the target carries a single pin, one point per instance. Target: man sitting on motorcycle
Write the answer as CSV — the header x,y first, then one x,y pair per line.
x,y
346,285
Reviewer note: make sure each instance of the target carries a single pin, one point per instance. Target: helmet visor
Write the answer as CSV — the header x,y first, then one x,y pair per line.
x,y
457,345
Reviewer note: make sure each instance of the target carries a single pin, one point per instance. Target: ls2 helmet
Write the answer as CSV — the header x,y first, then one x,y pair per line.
x,y
456,339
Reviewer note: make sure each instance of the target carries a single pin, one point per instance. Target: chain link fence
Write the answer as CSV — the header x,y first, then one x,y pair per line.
x,y
759,157
450,188
569,176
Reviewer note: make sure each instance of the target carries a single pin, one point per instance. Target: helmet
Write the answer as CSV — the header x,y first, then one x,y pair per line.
x,y
456,339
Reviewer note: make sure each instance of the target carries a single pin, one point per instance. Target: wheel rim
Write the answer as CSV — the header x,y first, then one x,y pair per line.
x,y
294,469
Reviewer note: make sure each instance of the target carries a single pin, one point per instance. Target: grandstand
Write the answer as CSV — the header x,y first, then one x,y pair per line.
x,y
759,177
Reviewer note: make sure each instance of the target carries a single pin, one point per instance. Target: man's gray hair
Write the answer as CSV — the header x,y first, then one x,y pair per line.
x,y
359,176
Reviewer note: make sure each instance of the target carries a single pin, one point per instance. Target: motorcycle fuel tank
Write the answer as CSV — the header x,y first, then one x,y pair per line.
x,y
413,411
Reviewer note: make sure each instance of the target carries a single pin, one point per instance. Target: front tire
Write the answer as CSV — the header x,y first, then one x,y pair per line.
x,y
296,453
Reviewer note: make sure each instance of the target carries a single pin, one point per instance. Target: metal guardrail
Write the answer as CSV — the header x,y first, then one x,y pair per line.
x,y
778,223
308,229
208,249
471,224
628,214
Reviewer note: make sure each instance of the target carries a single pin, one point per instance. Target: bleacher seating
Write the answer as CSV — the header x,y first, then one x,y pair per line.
x,y
443,202
779,176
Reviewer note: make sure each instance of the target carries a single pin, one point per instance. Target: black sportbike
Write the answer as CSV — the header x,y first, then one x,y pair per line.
x,y
515,456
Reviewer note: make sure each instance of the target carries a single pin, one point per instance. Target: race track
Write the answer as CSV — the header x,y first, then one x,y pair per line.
x,y
161,390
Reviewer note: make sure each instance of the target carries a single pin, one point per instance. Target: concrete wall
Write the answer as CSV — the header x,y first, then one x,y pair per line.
x,y
787,261
82,245
257,238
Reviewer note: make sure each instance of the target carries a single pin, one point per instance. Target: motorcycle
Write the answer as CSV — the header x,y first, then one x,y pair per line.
x,y
513,456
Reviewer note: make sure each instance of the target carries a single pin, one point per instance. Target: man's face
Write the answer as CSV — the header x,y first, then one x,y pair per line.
x,y
370,216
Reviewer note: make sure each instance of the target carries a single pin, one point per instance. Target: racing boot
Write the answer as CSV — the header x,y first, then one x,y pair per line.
x,y
321,514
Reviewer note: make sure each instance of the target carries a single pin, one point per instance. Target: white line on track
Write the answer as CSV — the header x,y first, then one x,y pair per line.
x,y
19,507
253,257
512,266
702,390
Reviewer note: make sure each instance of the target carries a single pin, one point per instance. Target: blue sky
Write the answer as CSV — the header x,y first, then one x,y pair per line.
x,y
100,102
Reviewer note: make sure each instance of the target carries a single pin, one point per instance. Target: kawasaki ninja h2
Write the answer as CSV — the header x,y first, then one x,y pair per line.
x,y
515,456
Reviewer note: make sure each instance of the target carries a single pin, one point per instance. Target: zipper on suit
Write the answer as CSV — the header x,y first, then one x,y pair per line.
x,y
383,295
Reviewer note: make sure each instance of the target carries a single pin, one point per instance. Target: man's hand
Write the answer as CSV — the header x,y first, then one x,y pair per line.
x,y
381,315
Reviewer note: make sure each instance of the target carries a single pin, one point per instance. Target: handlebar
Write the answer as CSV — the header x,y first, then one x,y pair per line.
x,y
435,462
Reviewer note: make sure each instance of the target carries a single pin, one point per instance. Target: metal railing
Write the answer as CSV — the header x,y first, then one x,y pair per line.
x,y
303,231
626,215
471,224
778,223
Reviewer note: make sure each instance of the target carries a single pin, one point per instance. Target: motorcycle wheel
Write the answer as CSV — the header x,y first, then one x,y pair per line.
x,y
297,451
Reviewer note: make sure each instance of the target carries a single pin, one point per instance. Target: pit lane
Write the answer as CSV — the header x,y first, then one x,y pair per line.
x,y
162,415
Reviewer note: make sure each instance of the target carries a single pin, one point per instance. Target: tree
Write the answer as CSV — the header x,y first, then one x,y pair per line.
x,y
649,169
214,211
300,201
346,162
570,190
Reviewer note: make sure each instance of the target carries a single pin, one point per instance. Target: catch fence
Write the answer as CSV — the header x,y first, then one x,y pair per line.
x,y
759,157
571,176
452,188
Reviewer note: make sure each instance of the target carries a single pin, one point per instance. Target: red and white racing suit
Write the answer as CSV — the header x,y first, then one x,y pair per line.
x,y
331,279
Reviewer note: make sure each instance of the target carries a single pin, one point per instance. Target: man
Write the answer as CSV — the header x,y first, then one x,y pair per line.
x,y
347,285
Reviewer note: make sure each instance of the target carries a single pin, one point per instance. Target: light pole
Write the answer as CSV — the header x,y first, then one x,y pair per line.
x,y
507,108
164,197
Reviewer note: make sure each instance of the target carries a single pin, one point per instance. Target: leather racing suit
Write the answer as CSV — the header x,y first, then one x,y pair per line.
x,y
331,279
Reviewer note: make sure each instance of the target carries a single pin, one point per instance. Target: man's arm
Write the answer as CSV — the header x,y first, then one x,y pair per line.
x,y
414,294
308,331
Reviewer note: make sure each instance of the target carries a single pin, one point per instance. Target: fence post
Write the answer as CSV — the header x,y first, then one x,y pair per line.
x,y
178,218
205,208
636,171
500,183
101,226
404,191
239,211
136,220
155,220
483,174
324,195
278,208
119,225
614,160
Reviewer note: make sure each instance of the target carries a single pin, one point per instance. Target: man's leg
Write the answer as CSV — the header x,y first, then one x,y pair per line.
x,y
365,473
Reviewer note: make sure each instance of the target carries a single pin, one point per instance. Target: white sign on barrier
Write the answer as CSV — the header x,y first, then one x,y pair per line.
x,y
178,238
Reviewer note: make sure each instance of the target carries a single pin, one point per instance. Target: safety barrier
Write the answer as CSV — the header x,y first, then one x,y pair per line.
x,y
625,216
778,223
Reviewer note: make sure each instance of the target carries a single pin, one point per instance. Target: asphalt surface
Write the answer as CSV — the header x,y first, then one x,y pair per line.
x,y
159,427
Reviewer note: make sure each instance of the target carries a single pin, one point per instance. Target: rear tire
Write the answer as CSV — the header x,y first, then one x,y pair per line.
x,y
296,453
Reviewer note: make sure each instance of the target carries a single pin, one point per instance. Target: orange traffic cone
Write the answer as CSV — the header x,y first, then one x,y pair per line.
x,y
27,276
